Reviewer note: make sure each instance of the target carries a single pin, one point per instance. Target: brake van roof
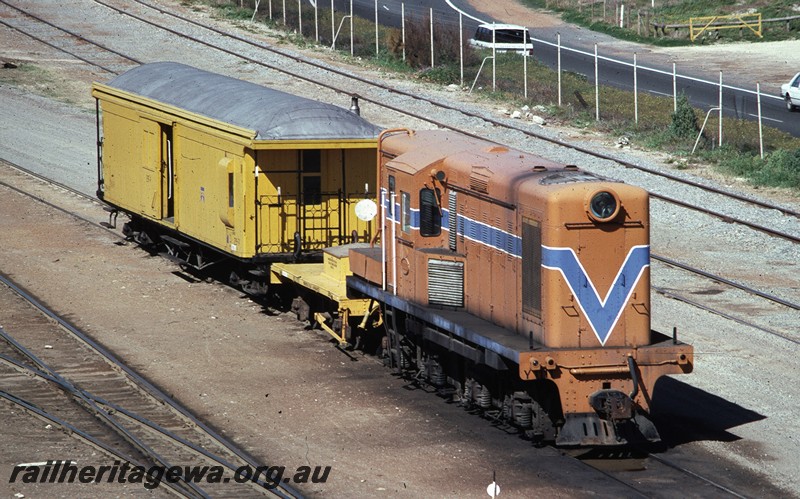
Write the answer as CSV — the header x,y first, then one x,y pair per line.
x,y
272,114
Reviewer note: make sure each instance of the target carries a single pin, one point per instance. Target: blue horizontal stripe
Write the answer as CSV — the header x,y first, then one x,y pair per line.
x,y
473,230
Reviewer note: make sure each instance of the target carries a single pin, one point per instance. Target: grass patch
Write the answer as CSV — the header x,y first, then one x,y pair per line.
x,y
780,168
40,81
30,76
640,18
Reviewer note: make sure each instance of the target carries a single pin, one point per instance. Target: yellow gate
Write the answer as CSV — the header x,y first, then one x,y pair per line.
x,y
698,25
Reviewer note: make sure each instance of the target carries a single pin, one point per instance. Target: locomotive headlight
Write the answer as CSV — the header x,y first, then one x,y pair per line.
x,y
603,206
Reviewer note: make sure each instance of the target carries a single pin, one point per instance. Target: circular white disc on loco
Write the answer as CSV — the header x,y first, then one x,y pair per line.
x,y
366,209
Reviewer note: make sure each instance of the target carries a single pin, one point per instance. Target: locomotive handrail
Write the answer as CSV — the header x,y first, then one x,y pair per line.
x,y
589,370
611,368
381,136
100,178
482,196
378,232
378,188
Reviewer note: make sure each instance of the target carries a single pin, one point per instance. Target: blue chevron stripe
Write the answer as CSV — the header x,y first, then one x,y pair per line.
x,y
601,314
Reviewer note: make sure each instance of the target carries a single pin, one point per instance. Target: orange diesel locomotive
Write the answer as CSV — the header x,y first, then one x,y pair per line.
x,y
522,284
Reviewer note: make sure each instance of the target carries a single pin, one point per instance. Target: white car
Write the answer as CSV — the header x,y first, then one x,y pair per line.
x,y
506,38
791,93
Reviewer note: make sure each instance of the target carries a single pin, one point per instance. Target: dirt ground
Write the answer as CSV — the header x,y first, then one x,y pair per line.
x,y
281,391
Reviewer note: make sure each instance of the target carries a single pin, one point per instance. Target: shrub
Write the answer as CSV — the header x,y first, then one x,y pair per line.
x,y
684,120
781,169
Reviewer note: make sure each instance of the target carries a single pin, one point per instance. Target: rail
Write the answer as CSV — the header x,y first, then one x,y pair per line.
x,y
282,489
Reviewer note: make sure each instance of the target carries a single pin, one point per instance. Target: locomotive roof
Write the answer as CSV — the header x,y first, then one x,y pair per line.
x,y
493,169
272,114
459,152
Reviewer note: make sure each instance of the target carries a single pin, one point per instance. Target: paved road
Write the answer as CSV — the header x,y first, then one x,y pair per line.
x,y
738,96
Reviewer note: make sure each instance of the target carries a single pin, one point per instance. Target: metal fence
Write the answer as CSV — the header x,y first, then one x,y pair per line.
x,y
596,56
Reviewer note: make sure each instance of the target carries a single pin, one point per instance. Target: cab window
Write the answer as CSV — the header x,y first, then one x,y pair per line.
x,y
430,216
405,212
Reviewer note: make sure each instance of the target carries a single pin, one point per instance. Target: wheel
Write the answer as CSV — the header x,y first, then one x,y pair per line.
x,y
789,106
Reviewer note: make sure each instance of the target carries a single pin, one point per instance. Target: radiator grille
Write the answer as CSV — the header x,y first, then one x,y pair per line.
x,y
446,283
453,220
531,267
478,182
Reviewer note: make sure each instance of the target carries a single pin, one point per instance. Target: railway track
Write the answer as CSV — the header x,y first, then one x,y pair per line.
x,y
55,371
644,474
645,480
726,298
91,52
712,277
339,87
345,86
